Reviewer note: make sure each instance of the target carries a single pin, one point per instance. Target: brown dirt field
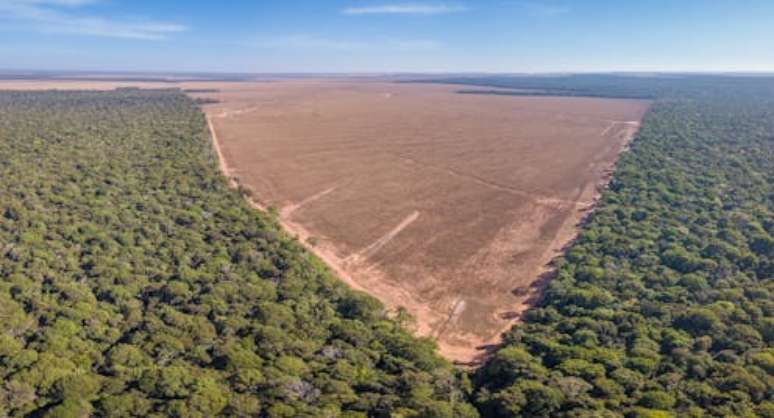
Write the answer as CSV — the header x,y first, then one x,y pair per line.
x,y
449,205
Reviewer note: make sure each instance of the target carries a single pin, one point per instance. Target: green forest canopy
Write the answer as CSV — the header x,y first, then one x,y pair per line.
x,y
134,282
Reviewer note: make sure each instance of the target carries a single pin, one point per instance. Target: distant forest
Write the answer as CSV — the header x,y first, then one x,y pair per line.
x,y
134,282
660,87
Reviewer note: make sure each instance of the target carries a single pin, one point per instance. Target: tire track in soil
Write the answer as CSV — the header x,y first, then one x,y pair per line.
x,y
533,197
363,254
289,209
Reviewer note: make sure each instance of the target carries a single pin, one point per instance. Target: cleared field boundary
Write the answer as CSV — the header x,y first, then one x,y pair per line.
x,y
352,268
337,264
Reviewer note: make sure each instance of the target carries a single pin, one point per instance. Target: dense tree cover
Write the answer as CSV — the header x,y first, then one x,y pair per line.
x,y
663,307
134,282
654,86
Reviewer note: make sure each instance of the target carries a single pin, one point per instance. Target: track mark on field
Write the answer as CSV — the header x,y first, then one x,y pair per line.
x,y
609,127
381,242
534,197
454,314
289,209
236,112
613,123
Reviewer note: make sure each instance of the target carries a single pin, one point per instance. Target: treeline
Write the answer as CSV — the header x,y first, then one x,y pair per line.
x,y
646,86
134,282
664,306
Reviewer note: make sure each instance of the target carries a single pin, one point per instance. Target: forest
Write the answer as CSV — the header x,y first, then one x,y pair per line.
x,y
622,86
134,282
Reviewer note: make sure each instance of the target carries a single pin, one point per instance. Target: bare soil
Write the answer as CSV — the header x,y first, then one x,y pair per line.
x,y
449,205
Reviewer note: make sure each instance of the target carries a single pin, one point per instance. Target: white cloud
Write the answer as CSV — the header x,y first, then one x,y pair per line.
x,y
59,16
406,9
536,8
69,3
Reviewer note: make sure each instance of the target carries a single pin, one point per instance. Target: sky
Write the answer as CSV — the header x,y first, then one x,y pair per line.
x,y
355,36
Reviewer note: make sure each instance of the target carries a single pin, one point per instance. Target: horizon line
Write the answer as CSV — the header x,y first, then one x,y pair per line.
x,y
31,71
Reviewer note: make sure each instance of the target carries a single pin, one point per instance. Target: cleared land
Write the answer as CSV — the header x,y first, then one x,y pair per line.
x,y
449,205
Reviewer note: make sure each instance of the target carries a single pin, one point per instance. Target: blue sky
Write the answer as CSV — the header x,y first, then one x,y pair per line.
x,y
387,36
